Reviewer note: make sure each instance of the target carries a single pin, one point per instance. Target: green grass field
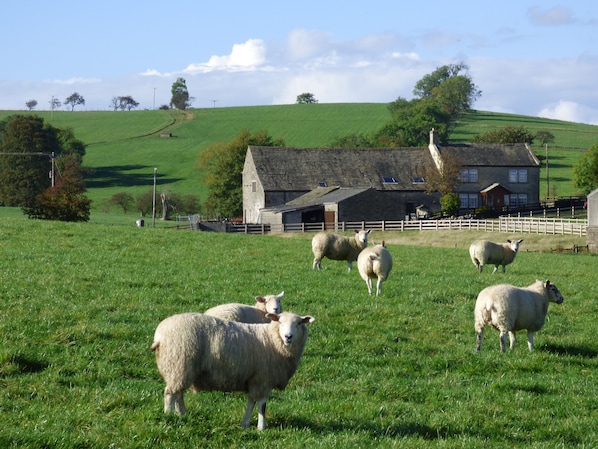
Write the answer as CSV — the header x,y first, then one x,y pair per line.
x,y
80,303
125,147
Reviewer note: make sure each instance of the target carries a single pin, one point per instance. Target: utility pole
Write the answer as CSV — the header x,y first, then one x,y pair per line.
x,y
154,105
547,178
154,201
53,174
214,102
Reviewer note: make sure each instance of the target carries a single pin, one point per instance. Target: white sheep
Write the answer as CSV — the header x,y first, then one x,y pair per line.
x,y
510,309
338,247
249,314
206,353
374,262
483,252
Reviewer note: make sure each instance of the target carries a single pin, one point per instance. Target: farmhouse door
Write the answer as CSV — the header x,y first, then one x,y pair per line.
x,y
329,219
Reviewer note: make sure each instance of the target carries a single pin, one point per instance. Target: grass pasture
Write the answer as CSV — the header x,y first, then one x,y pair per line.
x,y
80,303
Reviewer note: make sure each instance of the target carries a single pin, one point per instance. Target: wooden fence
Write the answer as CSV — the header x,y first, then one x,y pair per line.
x,y
521,225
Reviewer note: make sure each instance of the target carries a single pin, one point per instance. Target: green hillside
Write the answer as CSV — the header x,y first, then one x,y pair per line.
x,y
125,147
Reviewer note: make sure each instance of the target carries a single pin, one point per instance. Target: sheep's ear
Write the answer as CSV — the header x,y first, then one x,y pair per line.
x,y
272,316
307,319
260,299
520,241
547,283
281,294
383,243
368,231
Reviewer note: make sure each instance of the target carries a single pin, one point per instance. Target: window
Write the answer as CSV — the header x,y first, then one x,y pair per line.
x,y
418,180
389,180
517,199
253,186
468,200
469,175
323,184
518,175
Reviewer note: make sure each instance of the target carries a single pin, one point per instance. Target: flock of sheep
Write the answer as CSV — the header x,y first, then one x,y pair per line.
x,y
255,349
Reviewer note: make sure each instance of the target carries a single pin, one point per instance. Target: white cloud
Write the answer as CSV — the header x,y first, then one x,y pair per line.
x,y
556,15
570,111
247,56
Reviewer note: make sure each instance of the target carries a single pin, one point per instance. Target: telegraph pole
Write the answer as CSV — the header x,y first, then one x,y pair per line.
x,y
154,201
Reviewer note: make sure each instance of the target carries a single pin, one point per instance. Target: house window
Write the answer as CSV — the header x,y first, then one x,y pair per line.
x,y
253,186
469,175
418,180
323,184
389,180
519,176
517,199
468,200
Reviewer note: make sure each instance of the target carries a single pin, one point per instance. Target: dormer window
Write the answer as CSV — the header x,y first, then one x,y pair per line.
x,y
389,180
322,184
418,180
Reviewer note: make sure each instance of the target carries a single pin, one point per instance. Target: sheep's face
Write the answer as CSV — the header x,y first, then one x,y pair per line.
x,y
554,295
271,303
291,327
362,237
514,244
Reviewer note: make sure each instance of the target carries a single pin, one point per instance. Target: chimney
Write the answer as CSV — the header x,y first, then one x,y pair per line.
x,y
435,151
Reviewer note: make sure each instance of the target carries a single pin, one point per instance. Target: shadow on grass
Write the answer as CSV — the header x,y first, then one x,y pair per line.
x,y
575,351
18,364
124,176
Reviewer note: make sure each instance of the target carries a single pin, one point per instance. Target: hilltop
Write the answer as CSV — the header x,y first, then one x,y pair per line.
x,y
125,147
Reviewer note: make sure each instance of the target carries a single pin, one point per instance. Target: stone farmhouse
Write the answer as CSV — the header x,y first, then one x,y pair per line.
x,y
300,185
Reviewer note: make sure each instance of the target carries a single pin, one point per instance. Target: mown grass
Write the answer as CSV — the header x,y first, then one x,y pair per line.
x,y
80,303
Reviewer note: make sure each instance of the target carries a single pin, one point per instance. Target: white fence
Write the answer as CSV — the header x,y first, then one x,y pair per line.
x,y
523,225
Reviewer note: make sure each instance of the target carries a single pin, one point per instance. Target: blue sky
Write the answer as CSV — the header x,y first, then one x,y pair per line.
x,y
527,57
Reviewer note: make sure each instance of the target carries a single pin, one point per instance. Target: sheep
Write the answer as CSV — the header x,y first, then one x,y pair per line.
x,y
483,252
338,247
249,314
374,262
510,309
205,353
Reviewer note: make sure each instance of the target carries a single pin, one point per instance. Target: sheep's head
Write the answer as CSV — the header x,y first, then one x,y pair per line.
x,y
514,245
291,327
362,237
270,303
554,295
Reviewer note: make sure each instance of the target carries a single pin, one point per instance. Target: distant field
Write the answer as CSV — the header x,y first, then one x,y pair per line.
x,y
125,147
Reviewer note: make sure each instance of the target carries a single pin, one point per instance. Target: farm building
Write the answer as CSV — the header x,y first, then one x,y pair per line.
x,y
298,185
592,231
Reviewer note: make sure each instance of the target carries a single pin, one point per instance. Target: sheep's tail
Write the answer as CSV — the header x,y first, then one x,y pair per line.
x,y
154,346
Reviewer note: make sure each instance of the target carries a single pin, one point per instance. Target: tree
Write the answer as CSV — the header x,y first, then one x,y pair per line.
x,y
449,204
585,171
74,100
54,103
125,102
451,86
223,163
445,179
180,95
306,98
65,201
122,199
506,135
545,137
31,104
28,143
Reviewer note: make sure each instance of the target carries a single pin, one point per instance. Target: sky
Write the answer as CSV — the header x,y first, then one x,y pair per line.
x,y
536,58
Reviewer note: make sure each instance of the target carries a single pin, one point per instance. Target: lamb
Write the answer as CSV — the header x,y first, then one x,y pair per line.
x,y
338,247
249,314
374,262
483,252
510,309
206,353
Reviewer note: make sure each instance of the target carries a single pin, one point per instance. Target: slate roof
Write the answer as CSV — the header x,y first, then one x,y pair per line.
x,y
492,155
284,169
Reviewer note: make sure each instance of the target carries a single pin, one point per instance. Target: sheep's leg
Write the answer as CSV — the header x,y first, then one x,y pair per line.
x,y
317,265
378,287
503,341
261,414
248,412
368,282
478,346
512,339
349,265
174,402
530,340
495,269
